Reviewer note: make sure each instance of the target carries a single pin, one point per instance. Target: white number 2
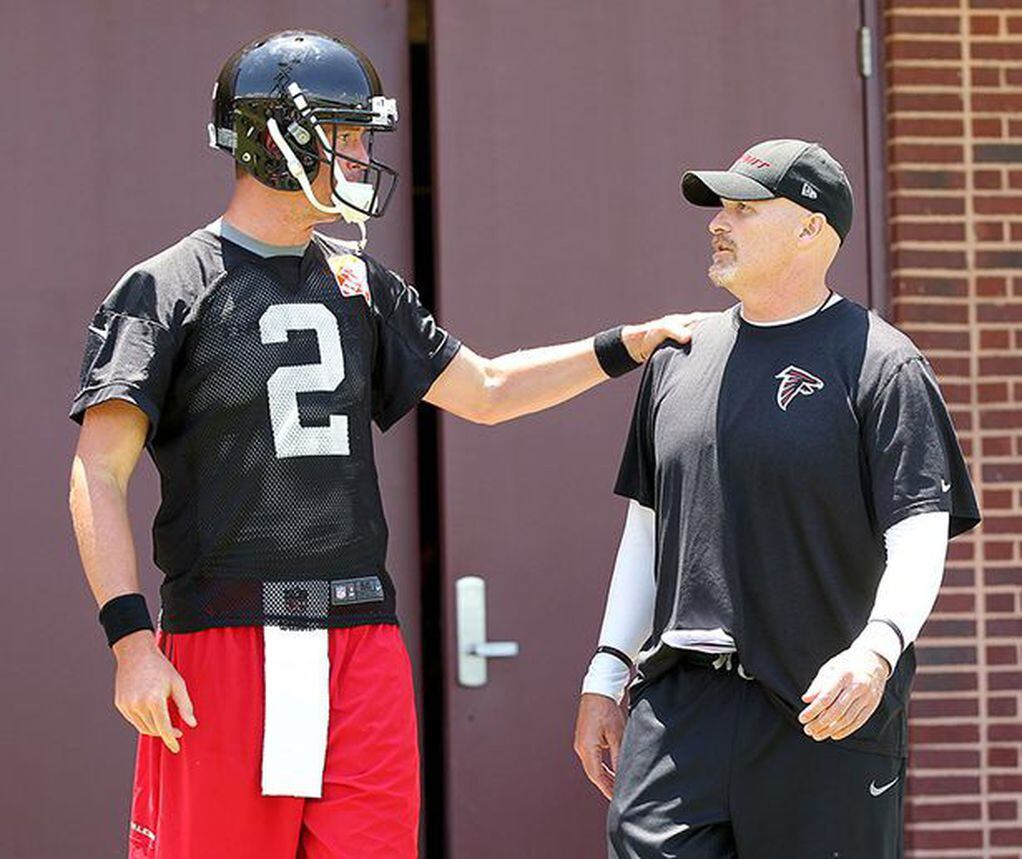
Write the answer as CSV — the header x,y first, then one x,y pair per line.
x,y
290,438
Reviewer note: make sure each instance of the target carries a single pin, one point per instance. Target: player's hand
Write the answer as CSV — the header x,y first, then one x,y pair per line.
x,y
642,340
844,694
598,731
145,680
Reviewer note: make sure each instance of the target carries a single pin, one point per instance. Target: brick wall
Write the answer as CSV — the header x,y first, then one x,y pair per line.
x,y
954,128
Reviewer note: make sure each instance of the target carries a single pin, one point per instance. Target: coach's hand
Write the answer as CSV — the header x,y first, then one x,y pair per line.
x,y
145,680
642,340
844,694
598,730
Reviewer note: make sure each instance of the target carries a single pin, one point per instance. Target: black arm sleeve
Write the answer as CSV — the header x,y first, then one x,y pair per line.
x,y
412,350
915,462
129,351
636,477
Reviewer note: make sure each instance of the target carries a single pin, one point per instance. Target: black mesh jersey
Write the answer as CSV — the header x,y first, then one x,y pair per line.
x,y
259,377
776,457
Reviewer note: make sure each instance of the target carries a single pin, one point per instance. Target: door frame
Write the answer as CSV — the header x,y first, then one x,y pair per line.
x,y
875,212
874,217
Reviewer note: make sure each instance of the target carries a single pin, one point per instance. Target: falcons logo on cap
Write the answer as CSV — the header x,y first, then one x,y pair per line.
x,y
795,381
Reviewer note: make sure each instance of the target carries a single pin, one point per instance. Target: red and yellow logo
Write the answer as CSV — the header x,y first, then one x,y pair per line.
x,y
352,277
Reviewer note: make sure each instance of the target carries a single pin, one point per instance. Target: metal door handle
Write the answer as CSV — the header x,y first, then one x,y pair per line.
x,y
495,649
473,648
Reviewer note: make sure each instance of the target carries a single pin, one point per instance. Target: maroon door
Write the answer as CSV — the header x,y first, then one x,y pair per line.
x,y
108,163
562,128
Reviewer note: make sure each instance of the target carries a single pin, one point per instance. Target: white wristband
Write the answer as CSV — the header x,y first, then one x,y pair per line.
x,y
607,675
882,640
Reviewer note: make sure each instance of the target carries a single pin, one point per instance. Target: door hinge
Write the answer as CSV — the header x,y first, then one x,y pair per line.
x,y
865,52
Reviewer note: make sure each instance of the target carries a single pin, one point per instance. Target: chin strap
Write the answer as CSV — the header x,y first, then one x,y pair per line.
x,y
353,245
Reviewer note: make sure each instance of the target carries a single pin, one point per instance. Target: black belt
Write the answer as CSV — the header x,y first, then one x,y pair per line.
x,y
718,661
698,657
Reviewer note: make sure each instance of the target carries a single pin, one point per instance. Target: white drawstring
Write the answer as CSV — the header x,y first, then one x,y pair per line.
x,y
728,662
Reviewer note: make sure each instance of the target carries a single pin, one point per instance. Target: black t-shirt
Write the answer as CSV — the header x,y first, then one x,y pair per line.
x,y
775,459
259,377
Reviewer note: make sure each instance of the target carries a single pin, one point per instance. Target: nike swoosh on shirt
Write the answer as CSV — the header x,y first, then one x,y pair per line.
x,y
877,791
944,485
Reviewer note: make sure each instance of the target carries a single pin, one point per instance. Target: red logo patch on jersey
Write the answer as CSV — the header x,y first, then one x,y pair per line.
x,y
352,277
795,381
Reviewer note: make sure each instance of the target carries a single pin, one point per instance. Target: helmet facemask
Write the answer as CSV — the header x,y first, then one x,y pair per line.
x,y
356,200
300,140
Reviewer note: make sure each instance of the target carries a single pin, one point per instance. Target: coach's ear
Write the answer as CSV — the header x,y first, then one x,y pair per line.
x,y
812,228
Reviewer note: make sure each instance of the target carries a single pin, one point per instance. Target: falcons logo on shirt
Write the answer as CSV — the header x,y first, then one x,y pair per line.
x,y
795,381
352,277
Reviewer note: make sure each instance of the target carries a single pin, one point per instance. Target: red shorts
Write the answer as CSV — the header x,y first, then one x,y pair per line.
x,y
206,803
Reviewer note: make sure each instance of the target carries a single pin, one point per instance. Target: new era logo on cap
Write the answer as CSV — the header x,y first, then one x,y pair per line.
x,y
797,170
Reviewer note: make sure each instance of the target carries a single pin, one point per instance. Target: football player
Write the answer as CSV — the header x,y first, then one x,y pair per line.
x,y
275,703
793,478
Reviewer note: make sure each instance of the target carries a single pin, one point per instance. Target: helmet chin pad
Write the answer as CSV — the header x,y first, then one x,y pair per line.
x,y
354,199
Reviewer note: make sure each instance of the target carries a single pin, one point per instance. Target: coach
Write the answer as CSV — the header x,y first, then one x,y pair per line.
x,y
794,478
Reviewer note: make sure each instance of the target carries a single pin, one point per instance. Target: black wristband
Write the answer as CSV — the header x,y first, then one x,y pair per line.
x,y
612,353
124,615
617,654
894,626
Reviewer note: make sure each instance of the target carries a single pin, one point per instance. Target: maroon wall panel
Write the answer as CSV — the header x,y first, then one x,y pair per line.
x,y
561,132
106,163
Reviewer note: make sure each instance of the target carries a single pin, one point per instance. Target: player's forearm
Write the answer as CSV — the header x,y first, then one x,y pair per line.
x,y
530,380
99,511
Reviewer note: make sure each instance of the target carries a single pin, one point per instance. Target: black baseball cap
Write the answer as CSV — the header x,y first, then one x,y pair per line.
x,y
802,172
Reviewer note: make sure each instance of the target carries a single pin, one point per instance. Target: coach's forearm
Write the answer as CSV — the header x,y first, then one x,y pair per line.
x,y
916,549
99,511
628,616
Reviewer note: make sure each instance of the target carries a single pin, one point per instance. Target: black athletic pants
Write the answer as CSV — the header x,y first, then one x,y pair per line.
x,y
710,769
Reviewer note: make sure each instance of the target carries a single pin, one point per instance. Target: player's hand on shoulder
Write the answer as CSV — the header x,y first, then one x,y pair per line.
x,y
145,680
643,340
598,731
844,694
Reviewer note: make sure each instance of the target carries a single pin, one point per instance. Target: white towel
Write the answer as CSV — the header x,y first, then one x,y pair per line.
x,y
297,674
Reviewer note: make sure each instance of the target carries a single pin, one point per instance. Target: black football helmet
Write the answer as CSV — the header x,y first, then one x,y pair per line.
x,y
277,104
